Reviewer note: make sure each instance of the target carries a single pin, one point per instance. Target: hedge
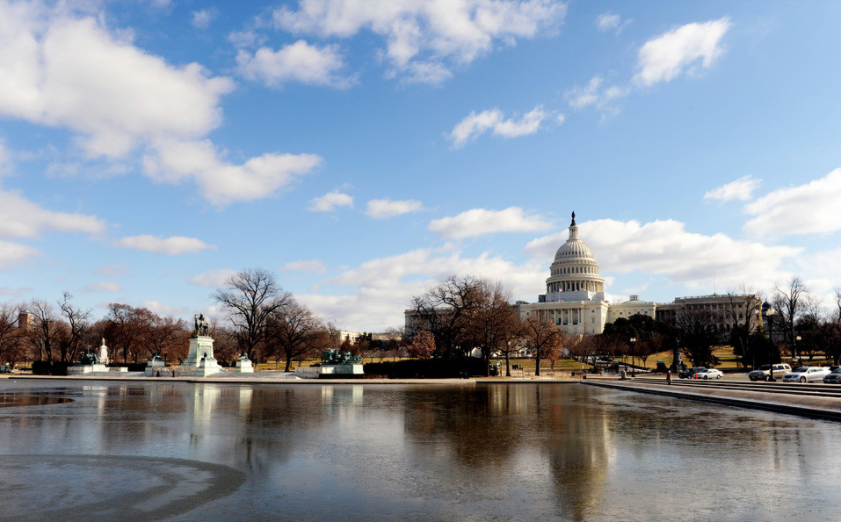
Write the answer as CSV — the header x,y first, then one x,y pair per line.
x,y
427,368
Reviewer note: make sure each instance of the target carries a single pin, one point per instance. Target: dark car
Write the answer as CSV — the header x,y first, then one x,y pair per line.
x,y
690,372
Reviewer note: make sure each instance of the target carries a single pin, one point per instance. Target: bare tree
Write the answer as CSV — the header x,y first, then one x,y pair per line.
x,y
249,298
128,327
542,335
743,315
11,345
492,316
699,332
293,332
513,335
42,334
422,346
788,304
78,321
445,310
168,337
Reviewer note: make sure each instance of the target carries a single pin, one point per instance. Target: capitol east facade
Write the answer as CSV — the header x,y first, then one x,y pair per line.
x,y
575,298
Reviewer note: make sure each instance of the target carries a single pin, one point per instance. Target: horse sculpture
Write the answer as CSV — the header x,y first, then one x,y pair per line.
x,y
202,325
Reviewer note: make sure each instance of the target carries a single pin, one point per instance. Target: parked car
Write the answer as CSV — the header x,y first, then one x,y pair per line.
x,y
833,377
761,373
710,373
807,374
689,373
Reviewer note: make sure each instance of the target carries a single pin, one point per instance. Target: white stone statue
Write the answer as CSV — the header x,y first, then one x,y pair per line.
x,y
103,353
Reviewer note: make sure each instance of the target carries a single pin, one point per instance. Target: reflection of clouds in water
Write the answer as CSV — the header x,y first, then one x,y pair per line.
x,y
56,487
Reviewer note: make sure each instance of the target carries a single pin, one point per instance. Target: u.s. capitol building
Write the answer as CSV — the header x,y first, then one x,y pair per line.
x,y
576,302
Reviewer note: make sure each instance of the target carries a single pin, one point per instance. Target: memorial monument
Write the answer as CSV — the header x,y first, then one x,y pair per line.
x,y
154,366
200,361
88,363
335,365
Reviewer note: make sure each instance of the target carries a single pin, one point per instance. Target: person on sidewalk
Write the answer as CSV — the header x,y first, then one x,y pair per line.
x,y
669,377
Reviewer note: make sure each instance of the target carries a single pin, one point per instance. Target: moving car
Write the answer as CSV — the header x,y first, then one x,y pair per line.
x,y
806,374
834,377
710,373
761,373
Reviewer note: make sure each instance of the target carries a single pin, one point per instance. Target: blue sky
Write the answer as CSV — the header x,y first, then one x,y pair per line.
x,y
366,150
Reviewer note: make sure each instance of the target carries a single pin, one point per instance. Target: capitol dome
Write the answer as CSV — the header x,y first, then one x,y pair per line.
x,y
574,272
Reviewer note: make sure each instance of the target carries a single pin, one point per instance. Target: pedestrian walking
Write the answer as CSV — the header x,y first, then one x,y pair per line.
x,y
669,377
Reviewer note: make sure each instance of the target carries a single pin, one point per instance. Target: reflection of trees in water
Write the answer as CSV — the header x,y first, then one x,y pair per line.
x,y
498,428
474,425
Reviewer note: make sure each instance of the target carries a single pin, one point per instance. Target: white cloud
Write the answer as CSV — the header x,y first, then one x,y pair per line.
x,y
425,38
314,266
607,21
172,246
13,254
22,218
383,288
803,209
62,70
479,221
220,182
610,22
666,248
741,189
202,18
103,286
594,94
476,124
330,201
297,62
213,278
386,208
245,38
665,57
164,310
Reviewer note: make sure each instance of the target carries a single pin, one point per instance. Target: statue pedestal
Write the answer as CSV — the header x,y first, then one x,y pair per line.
x,y
78,369
335,371
244,366
154,367
200,361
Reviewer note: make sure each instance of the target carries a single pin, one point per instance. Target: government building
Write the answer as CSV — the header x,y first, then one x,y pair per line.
x,y
575,298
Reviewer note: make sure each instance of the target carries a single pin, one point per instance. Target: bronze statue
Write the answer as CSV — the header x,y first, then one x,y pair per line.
x,y
88,358
334,357
573,219
202,325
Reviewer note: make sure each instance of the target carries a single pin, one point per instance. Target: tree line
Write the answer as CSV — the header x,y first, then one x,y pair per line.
x,y
260,320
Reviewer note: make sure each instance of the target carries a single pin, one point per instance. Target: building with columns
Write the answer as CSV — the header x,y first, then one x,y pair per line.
x,y
575,299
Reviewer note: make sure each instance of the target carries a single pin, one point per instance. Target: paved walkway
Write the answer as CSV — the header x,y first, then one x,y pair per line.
x,y
820,407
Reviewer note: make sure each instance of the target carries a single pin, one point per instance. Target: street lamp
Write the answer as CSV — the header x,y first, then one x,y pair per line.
x,y
796,341
633,355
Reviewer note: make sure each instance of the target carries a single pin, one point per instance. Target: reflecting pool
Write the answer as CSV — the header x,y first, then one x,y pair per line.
x,y
203,452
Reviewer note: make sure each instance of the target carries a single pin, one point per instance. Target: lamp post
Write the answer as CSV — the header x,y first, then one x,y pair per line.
x,y
633,356
796,341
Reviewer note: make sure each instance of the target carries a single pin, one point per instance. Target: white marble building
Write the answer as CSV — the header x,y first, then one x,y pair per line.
x,y
575,299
